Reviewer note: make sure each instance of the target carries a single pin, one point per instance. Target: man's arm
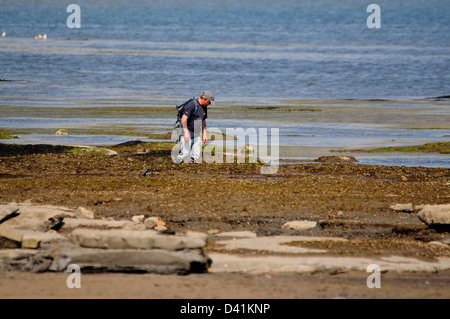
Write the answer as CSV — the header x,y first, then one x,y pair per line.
x,y
205,137
187,135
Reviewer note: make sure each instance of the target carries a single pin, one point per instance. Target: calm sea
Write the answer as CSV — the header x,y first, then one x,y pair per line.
x,y
236,48
158,52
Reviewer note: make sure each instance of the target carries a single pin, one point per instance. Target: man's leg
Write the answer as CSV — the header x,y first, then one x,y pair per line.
x,y
184,148
196,149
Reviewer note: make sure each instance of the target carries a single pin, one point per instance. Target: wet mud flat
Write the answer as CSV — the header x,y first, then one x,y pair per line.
x,y
346,201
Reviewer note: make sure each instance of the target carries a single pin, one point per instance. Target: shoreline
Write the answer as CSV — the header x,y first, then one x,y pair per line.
x,y
323,125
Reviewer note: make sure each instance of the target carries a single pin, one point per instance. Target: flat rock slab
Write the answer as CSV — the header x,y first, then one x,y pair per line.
x,y
151,261
312,264
72,223
275,244
136,239
109,260
237,234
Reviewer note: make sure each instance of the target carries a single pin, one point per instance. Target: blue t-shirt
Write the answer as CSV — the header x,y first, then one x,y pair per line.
x,y
194,121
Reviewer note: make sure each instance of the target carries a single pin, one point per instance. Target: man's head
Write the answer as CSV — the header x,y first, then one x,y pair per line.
x,y
206,98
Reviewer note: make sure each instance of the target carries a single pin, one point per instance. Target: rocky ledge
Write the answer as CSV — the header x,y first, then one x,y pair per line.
x,y
50,238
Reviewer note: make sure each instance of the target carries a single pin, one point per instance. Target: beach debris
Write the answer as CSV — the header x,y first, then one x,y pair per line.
x,y
41,37
336,159
299,225
435,215
62,132
407,208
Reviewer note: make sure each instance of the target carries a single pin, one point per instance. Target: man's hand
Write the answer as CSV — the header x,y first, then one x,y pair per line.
x,y
187,136
205,138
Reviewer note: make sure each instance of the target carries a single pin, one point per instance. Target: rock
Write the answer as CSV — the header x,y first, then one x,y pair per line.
x,y
100,260
134,239
299,225
12,234
160,225
37,218
152,261
72,223
237,234
150,222
144,171
336,159
139,219
30,242
333,214
419,207
29,238
407,208
62,132
54,222
433,215
9,211
438,243
82,212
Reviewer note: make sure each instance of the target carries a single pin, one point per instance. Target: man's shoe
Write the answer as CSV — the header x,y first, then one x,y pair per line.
x,y
193,161
178,160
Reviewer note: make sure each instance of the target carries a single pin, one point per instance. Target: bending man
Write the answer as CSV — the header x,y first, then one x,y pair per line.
x,y
193,128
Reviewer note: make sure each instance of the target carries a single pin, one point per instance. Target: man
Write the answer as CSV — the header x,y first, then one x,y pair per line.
x,y
193,123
